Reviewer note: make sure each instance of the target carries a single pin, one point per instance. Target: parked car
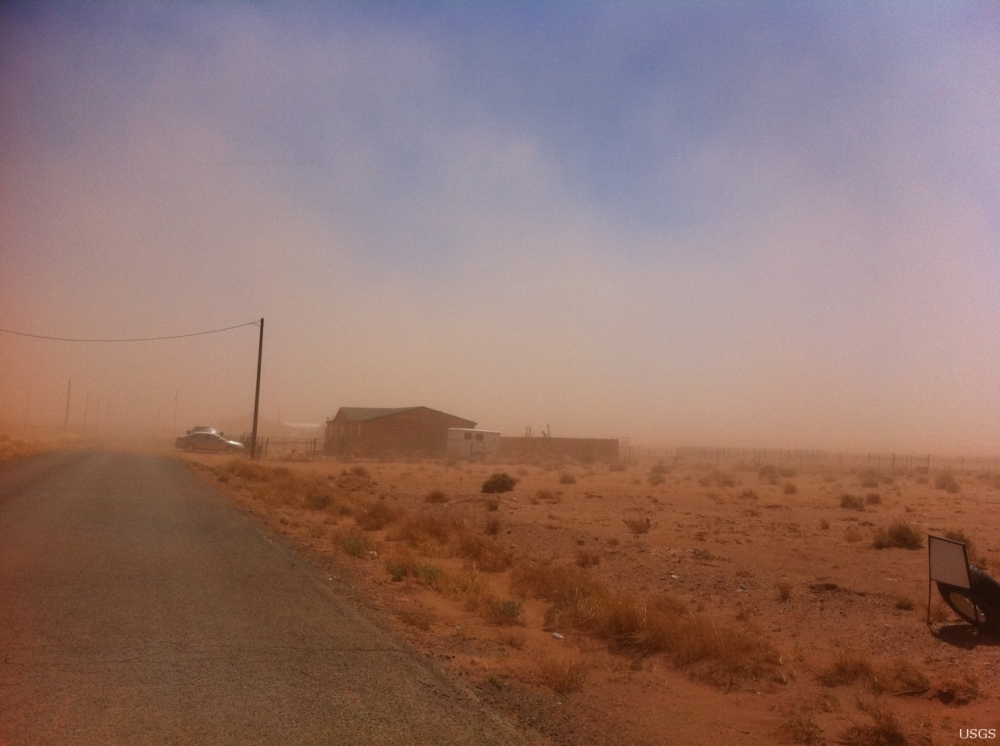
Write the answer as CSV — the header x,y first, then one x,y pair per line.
x,y
212,442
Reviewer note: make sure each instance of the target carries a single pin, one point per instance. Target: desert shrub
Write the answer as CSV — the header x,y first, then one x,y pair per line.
x,y
587,558
824,524
869,479
499,482
567,478
748,495
502,613
655,479
638,525
318,501
768,473
493,505
562,675
375,516
852,502
790,488
659,468
904,604
784,592
360,471
492,526
898,534
873,498
436,497
945,480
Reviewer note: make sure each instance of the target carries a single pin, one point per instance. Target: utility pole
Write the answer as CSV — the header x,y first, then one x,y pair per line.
x,y
69,390
256,396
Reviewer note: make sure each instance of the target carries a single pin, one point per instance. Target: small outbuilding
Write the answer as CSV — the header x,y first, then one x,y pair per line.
x,y
466,442
372,431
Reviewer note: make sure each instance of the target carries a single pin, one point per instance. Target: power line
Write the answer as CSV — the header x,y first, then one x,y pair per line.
x,y
132,339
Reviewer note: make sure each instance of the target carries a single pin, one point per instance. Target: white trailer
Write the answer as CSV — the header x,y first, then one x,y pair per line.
x,y
465,442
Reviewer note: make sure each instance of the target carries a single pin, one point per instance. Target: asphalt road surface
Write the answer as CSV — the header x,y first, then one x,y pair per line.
x,y
137,607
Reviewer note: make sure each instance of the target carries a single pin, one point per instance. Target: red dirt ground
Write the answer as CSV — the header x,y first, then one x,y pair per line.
x,y
737,547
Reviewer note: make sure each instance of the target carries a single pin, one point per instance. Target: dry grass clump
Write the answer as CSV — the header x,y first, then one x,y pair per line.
x,y
436,497
959,692
869,479
784,592
970,547
279,486
638,525
803,729
790,488
502,613
567,478
547,496
353,543
884,731
824,524
419,617
655,479
873,498
901,676
376,515
852,502
562,675
847,667
899,534
587,558
945,480
492,526
449,536
14,448
644,625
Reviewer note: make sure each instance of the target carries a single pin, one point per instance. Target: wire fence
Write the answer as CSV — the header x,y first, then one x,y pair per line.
x,y
808,460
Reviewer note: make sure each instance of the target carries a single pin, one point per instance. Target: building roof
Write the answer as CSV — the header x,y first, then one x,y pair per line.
x,y
365,414
361,414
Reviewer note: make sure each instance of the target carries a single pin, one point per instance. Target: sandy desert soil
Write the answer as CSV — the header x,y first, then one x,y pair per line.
x,y
801,631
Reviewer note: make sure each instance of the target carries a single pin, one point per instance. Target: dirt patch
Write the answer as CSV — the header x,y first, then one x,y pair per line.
x,y
697,607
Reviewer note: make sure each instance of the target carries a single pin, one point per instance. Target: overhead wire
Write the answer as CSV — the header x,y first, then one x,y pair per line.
x,y
129,339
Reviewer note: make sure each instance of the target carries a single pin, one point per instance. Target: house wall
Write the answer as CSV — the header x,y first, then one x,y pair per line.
x,y
419,431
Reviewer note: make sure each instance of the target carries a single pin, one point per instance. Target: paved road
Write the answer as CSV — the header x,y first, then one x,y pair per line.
x,y
138,608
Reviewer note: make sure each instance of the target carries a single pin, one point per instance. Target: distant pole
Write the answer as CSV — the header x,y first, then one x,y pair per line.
x,y
86,408
69,390
256,396
176,394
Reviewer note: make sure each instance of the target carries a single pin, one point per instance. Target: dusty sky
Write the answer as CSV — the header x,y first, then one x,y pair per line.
x,y
761,224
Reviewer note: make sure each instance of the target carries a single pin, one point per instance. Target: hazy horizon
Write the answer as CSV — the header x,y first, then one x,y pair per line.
x,y
742,225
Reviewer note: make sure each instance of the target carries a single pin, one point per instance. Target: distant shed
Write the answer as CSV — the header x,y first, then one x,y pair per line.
x,y
466,442
371,431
